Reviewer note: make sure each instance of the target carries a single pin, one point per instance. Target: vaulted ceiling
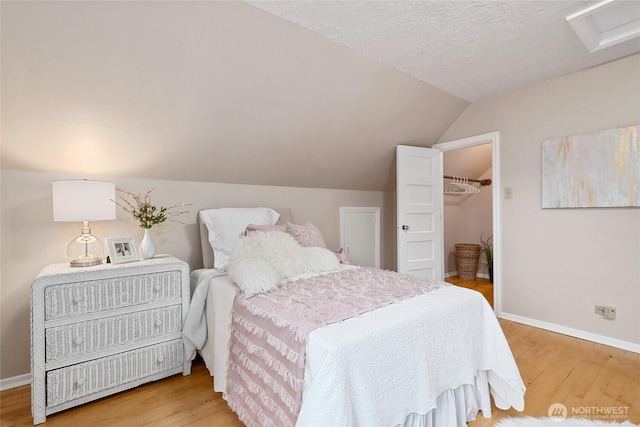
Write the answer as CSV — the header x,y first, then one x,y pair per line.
x,y
227,92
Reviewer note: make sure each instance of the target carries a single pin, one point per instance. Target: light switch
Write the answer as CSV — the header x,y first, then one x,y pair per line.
x,y
508,193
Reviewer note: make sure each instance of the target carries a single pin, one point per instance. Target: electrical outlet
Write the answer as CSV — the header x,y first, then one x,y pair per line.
x,y
508,193
606,312
609,313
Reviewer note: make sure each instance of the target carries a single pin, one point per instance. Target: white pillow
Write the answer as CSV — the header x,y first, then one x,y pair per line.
x,y
260,261
226,225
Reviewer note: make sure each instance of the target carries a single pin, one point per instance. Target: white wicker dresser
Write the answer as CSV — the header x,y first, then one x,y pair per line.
x,y
99,330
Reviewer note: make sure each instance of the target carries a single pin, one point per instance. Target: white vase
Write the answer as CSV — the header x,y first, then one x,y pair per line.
x,y
147,246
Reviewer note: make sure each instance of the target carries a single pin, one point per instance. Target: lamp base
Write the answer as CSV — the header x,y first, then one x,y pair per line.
x,y
85,262
86,249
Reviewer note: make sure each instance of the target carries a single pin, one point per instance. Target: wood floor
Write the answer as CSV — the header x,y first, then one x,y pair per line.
x,y
582,375
555,368
484,286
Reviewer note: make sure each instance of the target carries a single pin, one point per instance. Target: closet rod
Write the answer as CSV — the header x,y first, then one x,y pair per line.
x,y
481,181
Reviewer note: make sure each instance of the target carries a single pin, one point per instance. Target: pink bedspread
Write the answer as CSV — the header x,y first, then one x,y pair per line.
x,y
269,335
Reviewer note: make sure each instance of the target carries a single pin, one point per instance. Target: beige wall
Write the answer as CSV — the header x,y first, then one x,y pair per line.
x,y
558,263
31,240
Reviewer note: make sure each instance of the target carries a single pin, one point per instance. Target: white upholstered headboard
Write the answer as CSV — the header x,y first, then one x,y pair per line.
x,y
207,251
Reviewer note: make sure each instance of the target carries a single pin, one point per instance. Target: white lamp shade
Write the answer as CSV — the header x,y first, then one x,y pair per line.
x,y
83,200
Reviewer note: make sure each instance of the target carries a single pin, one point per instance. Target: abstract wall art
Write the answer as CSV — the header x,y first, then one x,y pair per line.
x,y
598,169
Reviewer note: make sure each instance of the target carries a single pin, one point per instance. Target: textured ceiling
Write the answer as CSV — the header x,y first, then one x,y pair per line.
x,y
470,49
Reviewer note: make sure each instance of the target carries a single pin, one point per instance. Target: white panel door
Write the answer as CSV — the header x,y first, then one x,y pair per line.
x,y
419,216
360,235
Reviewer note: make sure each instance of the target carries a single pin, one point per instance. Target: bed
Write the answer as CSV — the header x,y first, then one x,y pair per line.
x,y
433,359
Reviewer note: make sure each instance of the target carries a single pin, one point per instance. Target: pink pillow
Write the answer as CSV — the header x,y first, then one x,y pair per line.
x,y
306,235
264,228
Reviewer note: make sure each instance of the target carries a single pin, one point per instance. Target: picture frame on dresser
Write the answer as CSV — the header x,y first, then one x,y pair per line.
x,y
104,329
122,249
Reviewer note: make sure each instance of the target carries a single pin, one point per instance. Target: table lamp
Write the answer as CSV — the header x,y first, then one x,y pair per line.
x,y
83,201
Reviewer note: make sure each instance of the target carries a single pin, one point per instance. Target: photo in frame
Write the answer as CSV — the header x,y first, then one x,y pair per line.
x,y
122,249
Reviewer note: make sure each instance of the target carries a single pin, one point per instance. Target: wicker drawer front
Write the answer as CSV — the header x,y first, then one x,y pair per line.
x,y
101,334
80,298
80,380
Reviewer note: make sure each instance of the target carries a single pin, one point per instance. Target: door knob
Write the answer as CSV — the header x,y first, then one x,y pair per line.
x,y
405,227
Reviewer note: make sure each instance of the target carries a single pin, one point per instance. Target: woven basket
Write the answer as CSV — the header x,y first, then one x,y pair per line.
x,y
467,255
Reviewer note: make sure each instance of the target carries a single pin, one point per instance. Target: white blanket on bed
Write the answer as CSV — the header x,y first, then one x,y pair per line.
x,y
402,366
412,353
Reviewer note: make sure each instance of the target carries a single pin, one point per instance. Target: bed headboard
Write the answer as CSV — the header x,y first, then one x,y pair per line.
x,y
207,251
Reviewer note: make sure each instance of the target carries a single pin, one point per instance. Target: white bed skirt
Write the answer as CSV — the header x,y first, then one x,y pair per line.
x,y
455,408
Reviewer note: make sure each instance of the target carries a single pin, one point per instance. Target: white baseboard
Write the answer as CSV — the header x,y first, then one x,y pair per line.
x,y
13,382
576,333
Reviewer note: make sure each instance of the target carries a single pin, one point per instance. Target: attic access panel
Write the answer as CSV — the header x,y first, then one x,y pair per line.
x,y
607,23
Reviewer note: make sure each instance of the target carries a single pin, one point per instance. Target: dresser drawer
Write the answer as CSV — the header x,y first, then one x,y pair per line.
x,y
76,381
98,335
79,298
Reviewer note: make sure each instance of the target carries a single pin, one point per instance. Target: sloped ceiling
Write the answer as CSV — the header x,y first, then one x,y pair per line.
x,y
203,91
473,49
208,91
